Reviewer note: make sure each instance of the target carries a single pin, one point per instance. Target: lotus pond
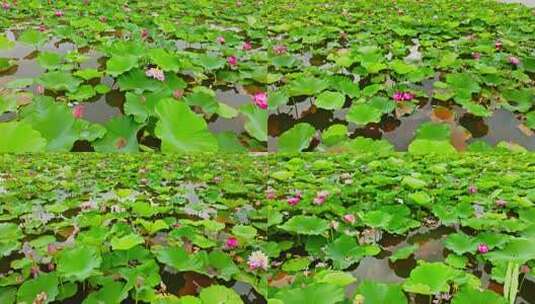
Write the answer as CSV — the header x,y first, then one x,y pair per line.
x,y
309,228
287,76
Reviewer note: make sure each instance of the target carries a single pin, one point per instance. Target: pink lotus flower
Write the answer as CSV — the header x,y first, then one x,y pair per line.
x,y
498,45
261,100
476,56
58,13
247,46
232,60
42,28
321,197
231,243
271,194
482,248
40,89
258,260
514,60
155,73
349,218
294,200
280,49
334,224
403,96
501,203
220,40
472,189
78,111
178,93
144,34
6,5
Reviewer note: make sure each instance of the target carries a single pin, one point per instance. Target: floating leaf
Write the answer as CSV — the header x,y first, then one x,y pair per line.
x,y
296,139
19,137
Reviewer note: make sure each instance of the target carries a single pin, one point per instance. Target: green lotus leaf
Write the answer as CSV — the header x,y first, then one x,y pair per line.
x,y
474,108
517,250
126,242
111,292
164,60
5,43
401,67
19,83
59,81
430,278
277,99
469,295
5,64
362,114
337,278
8,294
528,63
530,120
229,142
217,294
88,74
381,293
383,104
46,282
344,85
403,253
257,119
49,60
121,136
89,131
118,65
308,225
226,111
179,259
244,232
460,243
307,86
204,98
210,62
78,263
334,134
425,146
223,264
33,37
54,121
368,145
83,92
136,106
421,198
19,137
296,139
181,130
519,100
330,100
345,251
284,61
296,264
137,81
315,293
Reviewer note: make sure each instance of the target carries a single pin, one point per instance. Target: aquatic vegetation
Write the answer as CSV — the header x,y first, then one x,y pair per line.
x,y
322,76
394,228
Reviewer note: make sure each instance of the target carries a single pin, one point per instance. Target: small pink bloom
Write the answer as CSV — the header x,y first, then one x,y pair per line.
x,y
178,93
78,111
482,248
334,224
58,13
40,89
42,28
6,5
294,200
476,56
261,100
52,249
398,96
349,218
514,60
247,46
280,49
231,243
321,197
144,34
271,194
407,96
258,260
156,74
220,40
232,60
498,45
501,203
472,189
